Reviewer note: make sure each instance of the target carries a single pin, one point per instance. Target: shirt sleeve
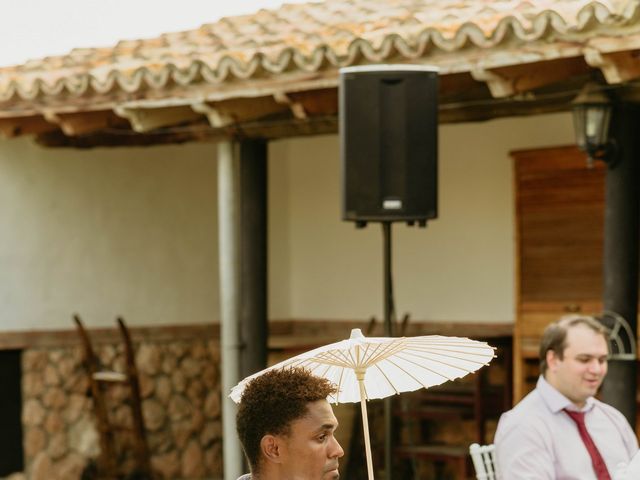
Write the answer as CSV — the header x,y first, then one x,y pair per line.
x,y
522,452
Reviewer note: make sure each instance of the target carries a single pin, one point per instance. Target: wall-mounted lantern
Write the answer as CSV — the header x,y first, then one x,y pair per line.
x,y
591,117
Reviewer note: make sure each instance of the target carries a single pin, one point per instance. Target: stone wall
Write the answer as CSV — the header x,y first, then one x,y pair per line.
x,y
179,382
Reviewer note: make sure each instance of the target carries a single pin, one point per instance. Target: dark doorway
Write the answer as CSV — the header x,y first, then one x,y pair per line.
x,y
11,459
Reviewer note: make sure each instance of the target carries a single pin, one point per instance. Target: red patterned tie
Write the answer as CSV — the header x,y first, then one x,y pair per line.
x,y
596,459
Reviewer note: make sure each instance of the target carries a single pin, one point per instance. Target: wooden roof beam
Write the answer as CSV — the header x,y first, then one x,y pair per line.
x,y
82,123
617,67
147,119
316,102
461,85
499,86
302,105
515,79
239,110
215,117
297,109
270,130
31,125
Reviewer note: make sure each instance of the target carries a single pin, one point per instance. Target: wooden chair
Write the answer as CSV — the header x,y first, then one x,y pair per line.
x,y
484,461
106,466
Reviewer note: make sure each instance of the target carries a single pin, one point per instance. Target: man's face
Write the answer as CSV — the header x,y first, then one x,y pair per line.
x,y
311,452
580,372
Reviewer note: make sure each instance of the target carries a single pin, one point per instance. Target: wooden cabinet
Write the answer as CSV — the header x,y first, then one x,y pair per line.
x,y
559,235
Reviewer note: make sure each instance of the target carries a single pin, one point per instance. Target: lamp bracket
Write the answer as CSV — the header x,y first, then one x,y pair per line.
x,y
607,154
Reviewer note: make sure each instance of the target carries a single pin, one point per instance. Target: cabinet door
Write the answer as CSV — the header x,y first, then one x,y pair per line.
x,y
559,235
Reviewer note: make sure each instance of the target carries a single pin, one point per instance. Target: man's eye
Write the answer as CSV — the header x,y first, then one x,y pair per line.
x,y
322,437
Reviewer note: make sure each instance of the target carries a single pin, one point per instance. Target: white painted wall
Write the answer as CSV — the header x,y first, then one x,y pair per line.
x,y
460,268
106,232
133,232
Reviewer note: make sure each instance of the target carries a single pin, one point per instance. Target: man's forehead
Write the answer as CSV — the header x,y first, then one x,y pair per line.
x,y
320,413
582,337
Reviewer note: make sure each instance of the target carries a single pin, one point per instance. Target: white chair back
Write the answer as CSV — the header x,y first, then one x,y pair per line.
x,y
484,461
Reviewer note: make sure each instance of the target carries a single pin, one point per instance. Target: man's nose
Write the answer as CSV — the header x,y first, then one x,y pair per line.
x,y
596,366
337,450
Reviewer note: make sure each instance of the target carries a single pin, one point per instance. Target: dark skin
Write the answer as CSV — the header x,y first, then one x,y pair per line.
x,y
309,451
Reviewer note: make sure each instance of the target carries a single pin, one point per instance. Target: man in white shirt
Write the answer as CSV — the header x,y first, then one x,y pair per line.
x,y
286,427
559,431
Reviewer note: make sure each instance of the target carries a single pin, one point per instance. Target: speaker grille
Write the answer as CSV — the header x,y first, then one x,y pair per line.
x,y
388,135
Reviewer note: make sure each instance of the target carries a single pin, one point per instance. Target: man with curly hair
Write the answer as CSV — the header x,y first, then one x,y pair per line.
x,y
286,427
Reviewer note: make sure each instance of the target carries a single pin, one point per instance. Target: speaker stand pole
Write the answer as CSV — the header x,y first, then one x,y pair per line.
x,y
388,330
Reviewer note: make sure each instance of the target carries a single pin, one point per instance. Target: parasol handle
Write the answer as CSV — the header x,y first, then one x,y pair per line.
x,y
365,425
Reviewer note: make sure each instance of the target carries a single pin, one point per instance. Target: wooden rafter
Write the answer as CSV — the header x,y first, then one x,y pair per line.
x,y
217,118
31,125
317,102
464,96
267,130
515,79
147,119
297,109
279,126
82,123
239,110
617,67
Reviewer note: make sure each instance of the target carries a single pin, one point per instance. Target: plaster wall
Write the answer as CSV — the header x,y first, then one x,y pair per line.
x,y
460,268
106,232
133,231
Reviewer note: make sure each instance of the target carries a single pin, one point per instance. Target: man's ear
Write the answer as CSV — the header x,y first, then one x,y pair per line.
x,y
271,448
552,360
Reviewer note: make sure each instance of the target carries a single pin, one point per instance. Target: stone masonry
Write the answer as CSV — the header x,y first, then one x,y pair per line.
x,y
179,383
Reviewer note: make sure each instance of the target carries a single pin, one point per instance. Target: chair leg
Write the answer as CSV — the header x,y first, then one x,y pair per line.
x,y
107,459
140,446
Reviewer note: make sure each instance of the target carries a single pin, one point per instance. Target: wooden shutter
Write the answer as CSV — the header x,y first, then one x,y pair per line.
x,y
559,231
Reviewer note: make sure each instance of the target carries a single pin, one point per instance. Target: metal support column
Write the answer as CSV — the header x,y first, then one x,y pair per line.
x,y
388,331
228,233
620,289
253,256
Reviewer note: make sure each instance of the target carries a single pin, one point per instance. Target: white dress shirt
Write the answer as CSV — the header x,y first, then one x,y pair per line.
x,y
537,440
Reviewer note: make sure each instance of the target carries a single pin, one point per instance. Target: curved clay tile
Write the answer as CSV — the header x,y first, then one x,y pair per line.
x,y
308,37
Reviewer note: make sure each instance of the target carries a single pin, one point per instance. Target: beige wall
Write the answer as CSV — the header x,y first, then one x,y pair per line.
x,y
461,267
106,232
133,232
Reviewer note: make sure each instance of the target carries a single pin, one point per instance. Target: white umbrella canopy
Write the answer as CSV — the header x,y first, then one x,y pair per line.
x,y
390,365
368,368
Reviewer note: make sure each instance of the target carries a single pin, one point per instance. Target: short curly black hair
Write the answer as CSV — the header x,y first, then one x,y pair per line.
x,y
271,401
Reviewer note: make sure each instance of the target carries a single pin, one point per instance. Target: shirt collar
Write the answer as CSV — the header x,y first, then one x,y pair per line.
x,y
556,401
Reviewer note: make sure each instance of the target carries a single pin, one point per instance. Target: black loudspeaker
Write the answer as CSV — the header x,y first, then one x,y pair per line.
x,y
389,143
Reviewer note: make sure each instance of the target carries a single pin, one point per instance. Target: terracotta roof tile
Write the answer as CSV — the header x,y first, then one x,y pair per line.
x,y
308,37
